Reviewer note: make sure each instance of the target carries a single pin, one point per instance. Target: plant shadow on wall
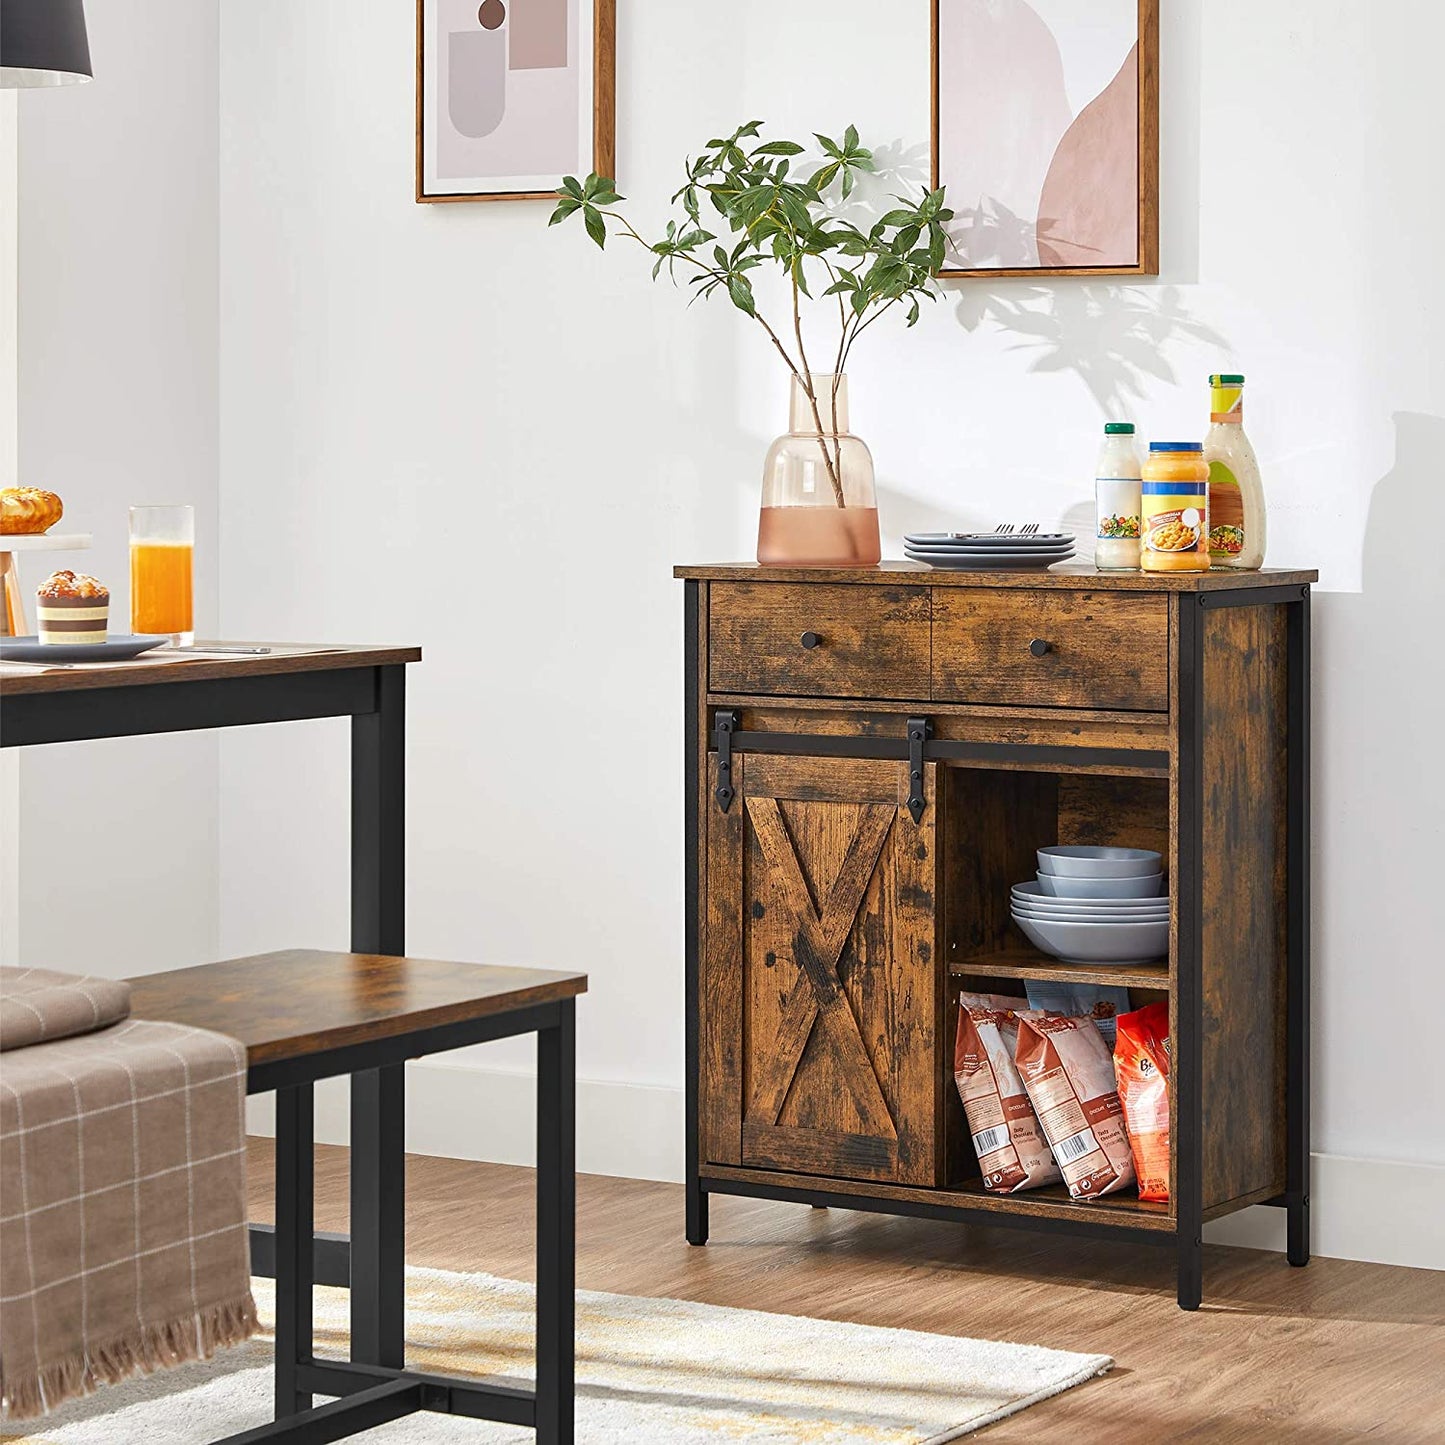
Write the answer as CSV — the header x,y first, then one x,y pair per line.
x,y
1115,339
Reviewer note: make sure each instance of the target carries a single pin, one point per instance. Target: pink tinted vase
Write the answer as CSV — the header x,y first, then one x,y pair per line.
x,y
819,505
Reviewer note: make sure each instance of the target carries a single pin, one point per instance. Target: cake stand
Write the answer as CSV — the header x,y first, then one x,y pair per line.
x,y
12,616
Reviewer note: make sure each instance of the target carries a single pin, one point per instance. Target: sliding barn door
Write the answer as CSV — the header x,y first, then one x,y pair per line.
x,y
821,1005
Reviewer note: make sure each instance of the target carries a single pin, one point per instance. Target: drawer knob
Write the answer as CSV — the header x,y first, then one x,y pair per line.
x,y
811,640
1039,647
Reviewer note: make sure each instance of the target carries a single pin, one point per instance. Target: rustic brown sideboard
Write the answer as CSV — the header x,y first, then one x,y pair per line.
x,y
872,758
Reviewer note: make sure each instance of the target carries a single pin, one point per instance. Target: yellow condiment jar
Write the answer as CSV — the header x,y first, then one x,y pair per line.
x,y
1174,519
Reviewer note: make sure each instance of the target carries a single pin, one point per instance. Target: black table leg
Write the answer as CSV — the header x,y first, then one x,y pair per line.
x,y
295,1115
556,1205
378,1138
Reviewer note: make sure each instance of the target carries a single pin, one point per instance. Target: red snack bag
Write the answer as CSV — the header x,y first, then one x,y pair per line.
x,y
1012,1151
1141,1066
1067,1069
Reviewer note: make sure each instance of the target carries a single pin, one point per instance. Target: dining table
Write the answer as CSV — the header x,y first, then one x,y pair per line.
x,y
231,684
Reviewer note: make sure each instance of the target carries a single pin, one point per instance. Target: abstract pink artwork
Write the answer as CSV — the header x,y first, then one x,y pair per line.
x,y
511,96
1045,132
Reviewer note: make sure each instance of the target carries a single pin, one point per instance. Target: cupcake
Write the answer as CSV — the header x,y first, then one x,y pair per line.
x,y
72,608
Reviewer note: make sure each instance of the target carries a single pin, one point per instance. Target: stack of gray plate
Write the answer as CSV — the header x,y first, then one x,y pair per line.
x,y
1095,905
989,551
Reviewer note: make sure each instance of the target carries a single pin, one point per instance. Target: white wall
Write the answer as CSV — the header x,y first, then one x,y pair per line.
x,y
118,347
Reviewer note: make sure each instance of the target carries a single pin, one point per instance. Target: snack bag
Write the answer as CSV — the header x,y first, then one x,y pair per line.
x,y
1012,1151
1102,1003
1141,1067
1069,1074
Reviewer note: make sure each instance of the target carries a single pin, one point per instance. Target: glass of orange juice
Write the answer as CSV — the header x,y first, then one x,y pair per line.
x,y
162,547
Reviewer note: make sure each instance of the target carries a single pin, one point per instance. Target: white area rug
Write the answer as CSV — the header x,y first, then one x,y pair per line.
x,y
653,1370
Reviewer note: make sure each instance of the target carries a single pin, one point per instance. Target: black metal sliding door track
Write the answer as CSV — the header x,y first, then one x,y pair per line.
x,y
915,746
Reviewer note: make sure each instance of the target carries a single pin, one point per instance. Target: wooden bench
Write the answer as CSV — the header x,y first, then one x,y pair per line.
x,y
305,1015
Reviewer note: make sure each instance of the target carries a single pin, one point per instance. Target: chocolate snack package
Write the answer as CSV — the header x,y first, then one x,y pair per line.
x,y
1012,1151
1069,1073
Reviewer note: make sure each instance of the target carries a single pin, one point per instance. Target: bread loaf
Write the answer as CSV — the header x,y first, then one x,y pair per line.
x,y
28,511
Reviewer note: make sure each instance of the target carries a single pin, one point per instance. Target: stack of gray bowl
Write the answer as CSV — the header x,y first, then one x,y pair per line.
x,y
1095,905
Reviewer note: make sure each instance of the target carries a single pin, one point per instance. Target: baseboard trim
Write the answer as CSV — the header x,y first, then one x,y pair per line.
x,y
455,1111
1377,1210
636,1131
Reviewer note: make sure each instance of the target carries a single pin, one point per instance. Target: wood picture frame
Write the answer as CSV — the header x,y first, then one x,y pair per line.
x,y
597,27
1146,262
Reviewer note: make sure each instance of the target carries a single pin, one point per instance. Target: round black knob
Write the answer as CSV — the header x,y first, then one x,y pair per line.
x,y
811,640
1038,647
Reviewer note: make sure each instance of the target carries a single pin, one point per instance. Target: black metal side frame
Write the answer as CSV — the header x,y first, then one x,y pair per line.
x,y
927,1209
374,1392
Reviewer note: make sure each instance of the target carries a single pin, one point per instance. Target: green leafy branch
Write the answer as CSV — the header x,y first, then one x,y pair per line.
x,y
767,213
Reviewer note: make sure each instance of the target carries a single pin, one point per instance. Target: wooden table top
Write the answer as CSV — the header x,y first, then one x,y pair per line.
x,y
204,669
301,1001
1068,574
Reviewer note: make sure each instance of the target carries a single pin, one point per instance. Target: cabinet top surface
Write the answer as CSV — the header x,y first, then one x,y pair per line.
x,y
1064,575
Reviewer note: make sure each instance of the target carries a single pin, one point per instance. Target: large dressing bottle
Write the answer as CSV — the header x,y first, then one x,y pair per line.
x,y
1236,495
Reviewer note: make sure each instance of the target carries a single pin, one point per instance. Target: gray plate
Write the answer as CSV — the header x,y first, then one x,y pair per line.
x,y
984,539
120,648
997,562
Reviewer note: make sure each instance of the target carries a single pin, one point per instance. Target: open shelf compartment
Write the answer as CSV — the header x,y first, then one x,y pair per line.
x,y
994,820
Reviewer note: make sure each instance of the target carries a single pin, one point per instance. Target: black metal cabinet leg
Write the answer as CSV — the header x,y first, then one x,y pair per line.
x,y
295,1128
1297,1226
695,1204
378,1217
556,1225
1297,1008
697,1224
378,1136
1191,1272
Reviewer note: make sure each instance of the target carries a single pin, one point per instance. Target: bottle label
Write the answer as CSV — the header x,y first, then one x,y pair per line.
x,y
1226,514
1226,403
1117,503
1175,519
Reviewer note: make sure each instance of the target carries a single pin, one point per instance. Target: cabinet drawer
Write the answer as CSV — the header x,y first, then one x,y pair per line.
x,y
1051,648
804,640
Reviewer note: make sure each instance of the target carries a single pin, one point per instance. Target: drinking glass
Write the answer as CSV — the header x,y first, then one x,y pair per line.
x,y
162,548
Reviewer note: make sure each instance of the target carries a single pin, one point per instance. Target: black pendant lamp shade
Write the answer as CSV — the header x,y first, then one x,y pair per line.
x,y
42,42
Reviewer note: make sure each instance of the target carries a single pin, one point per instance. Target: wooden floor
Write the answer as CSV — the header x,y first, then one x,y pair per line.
x,y
1339,1351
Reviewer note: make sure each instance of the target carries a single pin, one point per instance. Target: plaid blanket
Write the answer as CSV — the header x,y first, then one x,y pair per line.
x,y
38,1006
122,1208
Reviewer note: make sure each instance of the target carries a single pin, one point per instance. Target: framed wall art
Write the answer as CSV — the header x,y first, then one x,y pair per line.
x,y
1046,134
511,95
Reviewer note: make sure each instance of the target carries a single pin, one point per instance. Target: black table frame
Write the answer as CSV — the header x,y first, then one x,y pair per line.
x,y
373,695
374,1392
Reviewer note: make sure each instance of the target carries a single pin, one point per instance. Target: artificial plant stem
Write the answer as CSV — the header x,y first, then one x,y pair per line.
x,y
812,394
710,271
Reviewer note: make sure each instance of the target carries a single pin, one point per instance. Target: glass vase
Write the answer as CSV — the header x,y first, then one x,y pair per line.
x,y
819,506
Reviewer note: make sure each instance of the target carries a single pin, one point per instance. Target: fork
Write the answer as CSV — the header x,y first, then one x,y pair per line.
x,y
1003,529
1028,529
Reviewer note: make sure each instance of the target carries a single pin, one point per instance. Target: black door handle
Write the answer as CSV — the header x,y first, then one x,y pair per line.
x,y
1038,647
811,640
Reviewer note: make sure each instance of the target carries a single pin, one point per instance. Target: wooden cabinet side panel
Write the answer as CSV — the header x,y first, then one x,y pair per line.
x,y
1244,980
720,991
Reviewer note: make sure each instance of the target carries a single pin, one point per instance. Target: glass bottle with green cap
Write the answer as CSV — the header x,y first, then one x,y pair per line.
x,y
1116,500
1236,494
